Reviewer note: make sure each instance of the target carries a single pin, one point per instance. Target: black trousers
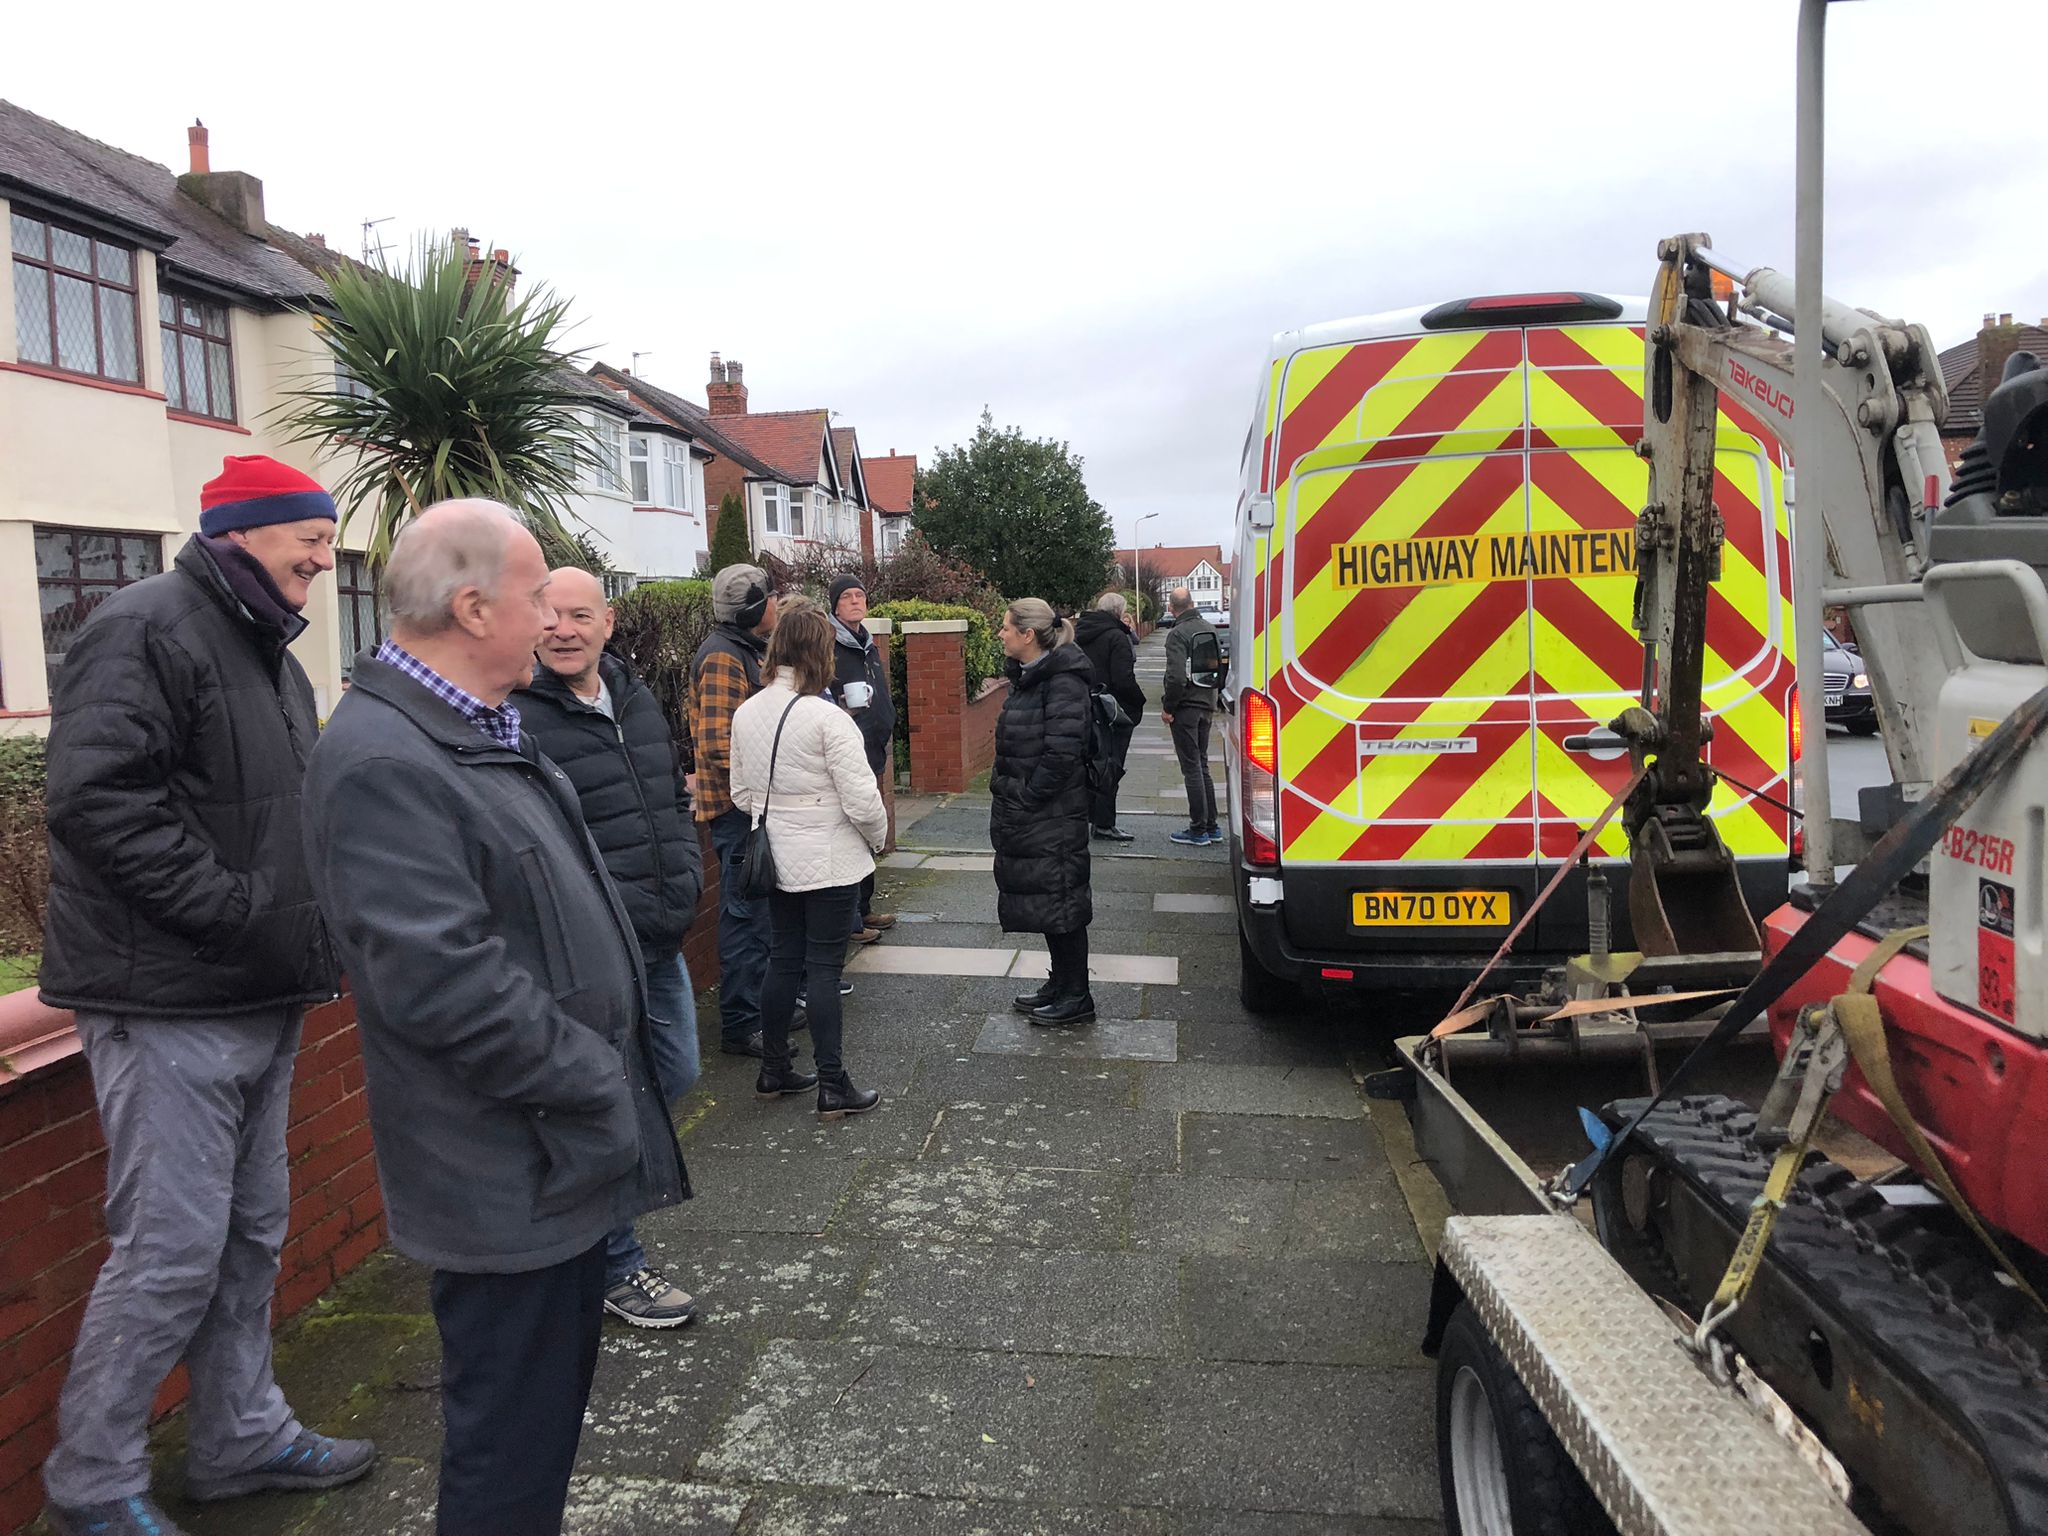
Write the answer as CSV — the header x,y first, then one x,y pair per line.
x,y
1190,730
1102,803
807,947
517,1355
1069,952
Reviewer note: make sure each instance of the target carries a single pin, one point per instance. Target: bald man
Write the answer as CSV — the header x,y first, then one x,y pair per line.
x,y
500,1001
602,726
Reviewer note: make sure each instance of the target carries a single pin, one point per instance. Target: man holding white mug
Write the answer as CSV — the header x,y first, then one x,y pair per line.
x,y
861,688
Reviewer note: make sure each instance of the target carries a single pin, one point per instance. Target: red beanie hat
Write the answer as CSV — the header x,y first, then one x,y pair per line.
x,y
252,491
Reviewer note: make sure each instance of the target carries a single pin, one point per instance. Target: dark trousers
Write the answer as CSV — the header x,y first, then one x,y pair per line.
x,y
742,934
807,948
1069,952
517,1355
866,904
1191,745
1102,803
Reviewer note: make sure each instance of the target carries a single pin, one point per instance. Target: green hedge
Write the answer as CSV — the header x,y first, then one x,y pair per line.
x,y
660,625
24,856
983,653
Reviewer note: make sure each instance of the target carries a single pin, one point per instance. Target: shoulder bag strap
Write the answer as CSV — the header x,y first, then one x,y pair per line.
x,y
768,791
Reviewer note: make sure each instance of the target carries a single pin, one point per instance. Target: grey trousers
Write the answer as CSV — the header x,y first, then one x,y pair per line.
x,y
1190,732
198,1199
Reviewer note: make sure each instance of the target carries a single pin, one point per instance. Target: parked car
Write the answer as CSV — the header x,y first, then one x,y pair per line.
x,y
1849,701
1219,620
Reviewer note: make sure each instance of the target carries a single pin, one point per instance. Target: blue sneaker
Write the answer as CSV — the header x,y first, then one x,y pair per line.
x,y
1214,834
1192,837
310,1461
137,1516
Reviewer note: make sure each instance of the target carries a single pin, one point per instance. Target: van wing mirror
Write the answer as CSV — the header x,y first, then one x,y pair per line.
x,y
1260,509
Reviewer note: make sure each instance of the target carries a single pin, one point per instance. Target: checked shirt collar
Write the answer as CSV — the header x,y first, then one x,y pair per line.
x,y
500,724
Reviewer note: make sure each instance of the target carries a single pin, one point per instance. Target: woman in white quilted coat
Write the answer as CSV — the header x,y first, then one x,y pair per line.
x,y
825,822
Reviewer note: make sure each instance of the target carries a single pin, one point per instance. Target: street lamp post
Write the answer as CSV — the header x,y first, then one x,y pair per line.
x,y
1138,563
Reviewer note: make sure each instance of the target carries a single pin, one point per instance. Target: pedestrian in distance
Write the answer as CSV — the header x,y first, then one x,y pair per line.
x,y
501,1004
799,769
1103,635
861,688
724,674
181,928
1187,703
1038,816
601,725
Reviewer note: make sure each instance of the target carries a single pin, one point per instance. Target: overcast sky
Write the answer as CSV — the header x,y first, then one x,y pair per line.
x,y
1090,218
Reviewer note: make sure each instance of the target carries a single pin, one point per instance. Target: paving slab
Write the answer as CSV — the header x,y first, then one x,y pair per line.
x,y
975,1076
659,1395
1269,1523
1109,1140
1145,970
1011,1034
763,1284
963,863
930,960
1312,1311
1251,1089
1307,1439
790,1127
1280,1147
783,1192
1192,901
878,1514
603,1505
985,1203
1034,1301
887,1419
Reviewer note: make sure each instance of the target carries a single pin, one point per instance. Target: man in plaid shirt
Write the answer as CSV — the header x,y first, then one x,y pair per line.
x,y
724,674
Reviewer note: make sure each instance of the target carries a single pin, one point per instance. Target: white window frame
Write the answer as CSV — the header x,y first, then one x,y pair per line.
x,y
774,505
796,512
675,474
606,461
640,462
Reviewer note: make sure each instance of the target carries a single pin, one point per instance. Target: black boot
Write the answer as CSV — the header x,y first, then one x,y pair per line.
x,y
838,1098
1026,1002
776,1082
1066,1011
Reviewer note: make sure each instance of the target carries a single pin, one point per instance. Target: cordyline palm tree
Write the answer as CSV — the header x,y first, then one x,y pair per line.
x,y
439,386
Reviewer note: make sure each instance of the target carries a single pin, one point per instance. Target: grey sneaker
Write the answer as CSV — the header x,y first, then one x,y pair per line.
x,y
310,1461
138,1516
646,1299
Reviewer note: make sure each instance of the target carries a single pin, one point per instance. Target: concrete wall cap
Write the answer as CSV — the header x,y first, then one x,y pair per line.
x,y
935,627
879,626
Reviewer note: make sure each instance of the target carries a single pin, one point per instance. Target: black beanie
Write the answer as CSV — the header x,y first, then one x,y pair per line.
x,y
841,585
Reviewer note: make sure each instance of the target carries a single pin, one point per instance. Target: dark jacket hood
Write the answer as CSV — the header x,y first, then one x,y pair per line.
x,y
1064,658
1096,623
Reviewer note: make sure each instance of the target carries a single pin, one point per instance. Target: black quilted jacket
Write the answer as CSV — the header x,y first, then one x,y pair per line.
x,y
1039,819
178,745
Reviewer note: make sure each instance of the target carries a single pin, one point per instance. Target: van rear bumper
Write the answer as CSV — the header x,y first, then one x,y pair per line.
x,y
1308,934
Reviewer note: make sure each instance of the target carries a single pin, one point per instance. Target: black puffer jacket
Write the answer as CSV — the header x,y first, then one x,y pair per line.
x,y
1107,645
857,659
626,777
177,881
1039,819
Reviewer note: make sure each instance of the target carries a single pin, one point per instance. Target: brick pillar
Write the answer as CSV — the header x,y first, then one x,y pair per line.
x,y
935,678
882,629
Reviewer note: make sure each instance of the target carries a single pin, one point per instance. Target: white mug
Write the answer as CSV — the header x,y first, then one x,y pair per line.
x,y
859,696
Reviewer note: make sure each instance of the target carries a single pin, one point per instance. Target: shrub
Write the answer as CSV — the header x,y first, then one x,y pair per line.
x,y
917,572
24,845
983,652
660,625
729,544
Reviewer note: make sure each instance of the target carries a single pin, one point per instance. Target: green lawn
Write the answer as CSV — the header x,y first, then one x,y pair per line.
x,y
17,971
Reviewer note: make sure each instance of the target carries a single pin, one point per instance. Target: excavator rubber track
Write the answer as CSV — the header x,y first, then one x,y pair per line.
x,y
1887,1327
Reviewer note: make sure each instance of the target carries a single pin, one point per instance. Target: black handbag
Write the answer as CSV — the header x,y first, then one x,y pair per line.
x,y
757,865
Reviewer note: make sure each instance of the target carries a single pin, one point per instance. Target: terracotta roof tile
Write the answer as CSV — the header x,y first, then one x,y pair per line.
x,y
686,414
1171,560
847,452
790,443
890,479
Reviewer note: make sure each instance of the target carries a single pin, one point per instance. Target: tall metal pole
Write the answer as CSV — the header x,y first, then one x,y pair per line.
x,y
1809,526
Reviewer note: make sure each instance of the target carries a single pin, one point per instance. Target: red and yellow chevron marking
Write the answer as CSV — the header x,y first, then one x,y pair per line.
x,y
1424,692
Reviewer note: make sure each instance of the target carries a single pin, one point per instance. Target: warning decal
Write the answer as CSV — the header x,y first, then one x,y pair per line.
x,y
1995,974
1573,554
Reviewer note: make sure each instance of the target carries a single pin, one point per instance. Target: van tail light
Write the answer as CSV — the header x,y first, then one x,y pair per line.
x,y
1798,727
1259,789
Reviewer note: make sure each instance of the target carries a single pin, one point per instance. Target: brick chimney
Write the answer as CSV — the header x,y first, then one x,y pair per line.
x,y
235,195
726,394
1996,343
495,270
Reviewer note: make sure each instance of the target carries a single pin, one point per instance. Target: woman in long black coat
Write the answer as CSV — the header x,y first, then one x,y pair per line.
x,y
1039,819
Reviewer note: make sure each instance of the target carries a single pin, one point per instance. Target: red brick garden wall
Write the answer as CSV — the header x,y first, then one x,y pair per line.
x,y
53,1232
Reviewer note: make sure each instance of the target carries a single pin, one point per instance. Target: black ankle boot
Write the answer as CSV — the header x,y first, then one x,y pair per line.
x,y
838,1098
1066,1011
776,1082
1025,1002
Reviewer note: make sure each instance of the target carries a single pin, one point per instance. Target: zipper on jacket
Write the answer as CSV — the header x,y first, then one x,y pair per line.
x,y
646,817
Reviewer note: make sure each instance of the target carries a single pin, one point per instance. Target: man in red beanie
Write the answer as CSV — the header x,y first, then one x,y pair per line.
x,y
182,930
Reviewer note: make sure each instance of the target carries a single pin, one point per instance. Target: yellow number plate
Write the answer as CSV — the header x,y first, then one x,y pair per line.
x,y
1429,909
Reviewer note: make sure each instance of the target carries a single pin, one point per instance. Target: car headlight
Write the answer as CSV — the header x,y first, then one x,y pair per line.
x,y
1860,680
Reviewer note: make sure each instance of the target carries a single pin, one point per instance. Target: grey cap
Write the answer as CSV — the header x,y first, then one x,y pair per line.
x,y
736,589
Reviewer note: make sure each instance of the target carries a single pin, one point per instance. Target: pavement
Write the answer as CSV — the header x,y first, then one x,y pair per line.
x,y
1156,1277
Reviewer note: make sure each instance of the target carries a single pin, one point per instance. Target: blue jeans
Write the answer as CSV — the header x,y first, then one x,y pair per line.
x,y
742,935
672,1031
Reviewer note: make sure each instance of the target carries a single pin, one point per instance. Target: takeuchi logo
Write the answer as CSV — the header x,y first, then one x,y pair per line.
x,y
1748,382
